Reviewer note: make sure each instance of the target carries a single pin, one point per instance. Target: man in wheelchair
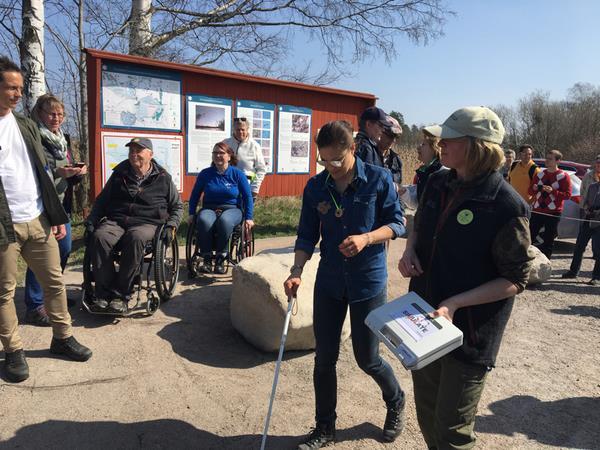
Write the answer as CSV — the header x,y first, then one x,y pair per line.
x,y
138,197
226,194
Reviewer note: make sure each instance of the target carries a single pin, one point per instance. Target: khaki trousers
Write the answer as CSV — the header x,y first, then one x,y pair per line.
x,y
38,247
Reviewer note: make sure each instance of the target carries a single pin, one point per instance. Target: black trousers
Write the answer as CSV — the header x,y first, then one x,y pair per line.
x,y
109,283
550,225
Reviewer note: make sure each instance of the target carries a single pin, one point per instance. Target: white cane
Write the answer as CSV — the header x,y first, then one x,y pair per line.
x,y
291,301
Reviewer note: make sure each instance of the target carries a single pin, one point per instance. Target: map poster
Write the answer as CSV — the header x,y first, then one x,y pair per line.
x,y
208,122
142,99
168,151
261,126
293,153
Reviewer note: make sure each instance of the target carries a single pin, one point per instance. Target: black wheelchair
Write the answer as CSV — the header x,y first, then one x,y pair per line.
x,y
241,245
161,259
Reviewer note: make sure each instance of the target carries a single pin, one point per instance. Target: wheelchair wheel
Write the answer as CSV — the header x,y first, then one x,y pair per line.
x,y
241,244
192,257
166,268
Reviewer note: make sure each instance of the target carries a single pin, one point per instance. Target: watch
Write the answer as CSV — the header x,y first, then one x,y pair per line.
x,y
296,267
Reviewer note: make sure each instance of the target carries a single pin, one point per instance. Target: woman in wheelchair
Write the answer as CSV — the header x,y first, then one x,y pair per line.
x,y
138,197
226,194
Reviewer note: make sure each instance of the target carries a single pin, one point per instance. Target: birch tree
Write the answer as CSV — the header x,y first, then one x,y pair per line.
x,y
31,50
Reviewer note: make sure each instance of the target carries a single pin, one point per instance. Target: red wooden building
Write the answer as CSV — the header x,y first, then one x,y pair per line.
x,y
326,104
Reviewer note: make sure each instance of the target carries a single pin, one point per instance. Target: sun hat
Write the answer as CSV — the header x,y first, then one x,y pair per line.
x,y
475,121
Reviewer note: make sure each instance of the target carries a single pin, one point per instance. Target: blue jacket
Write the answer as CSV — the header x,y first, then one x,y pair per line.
x,y
229,188
369,203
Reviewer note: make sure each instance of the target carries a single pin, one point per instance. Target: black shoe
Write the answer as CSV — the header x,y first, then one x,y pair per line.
x,y
594,282
321,436
118,306
394,422
99,305
569,274
15,366
70,348
220,265
206,266
37,317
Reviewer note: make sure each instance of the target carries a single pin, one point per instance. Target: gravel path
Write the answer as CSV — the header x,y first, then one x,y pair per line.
x,y
185,379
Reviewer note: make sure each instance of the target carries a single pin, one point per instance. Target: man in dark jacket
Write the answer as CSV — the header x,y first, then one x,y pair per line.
x,y
139,196
31,220
372,122
390,159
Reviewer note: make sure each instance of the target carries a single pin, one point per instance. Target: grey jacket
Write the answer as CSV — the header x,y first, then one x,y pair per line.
x,y
52,205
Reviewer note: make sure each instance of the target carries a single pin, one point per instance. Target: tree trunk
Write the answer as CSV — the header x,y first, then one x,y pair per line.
x,y
140,28
81,197
32,51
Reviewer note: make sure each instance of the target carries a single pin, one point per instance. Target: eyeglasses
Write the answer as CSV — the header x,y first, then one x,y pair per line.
x,y
52,114
239,119
219,153
332,162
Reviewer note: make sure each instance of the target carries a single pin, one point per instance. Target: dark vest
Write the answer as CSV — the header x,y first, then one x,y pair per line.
x,y
456,254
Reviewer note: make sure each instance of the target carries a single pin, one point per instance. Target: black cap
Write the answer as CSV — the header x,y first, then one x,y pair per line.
x,y
142,142
376,114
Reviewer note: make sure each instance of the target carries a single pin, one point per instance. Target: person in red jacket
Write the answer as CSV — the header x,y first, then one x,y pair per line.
x,y
549,188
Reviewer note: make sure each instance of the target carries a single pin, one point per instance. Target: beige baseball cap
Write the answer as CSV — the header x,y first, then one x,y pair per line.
x,y
475,121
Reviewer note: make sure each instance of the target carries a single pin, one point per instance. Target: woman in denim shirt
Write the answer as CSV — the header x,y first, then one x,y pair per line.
x,y
354,209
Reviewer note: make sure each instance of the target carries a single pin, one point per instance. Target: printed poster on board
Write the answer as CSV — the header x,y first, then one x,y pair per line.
x,y
139,98
167,152
293,152
208,122
261,126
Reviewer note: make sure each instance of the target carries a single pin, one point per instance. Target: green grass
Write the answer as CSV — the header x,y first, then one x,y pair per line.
x,y
274,216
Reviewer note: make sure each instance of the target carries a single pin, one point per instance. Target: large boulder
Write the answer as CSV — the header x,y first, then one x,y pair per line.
x,y
541,269
259,304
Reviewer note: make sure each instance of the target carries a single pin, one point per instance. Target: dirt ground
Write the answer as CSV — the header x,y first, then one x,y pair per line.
x,y
185,379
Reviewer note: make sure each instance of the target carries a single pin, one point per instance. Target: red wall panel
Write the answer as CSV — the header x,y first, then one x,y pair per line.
x,y
327,104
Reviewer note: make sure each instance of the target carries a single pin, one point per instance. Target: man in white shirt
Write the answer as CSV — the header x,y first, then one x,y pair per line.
x,y
249,154
31,221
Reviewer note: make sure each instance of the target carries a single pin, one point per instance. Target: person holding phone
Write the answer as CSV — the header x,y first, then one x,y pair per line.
x,y
49,114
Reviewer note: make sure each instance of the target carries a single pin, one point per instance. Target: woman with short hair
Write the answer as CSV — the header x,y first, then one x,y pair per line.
x,y
49,114
468,257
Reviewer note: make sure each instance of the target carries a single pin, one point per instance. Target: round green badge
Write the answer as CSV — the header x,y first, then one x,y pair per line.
x,y
465,217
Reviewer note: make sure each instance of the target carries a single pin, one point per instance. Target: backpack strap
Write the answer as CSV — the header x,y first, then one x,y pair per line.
x,y
532,170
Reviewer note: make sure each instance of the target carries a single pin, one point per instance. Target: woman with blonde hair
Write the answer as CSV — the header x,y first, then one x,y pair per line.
x,y
468,256
49,114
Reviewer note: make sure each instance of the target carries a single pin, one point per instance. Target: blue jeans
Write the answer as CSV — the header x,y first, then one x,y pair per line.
x,y
328,318
213,232
33,291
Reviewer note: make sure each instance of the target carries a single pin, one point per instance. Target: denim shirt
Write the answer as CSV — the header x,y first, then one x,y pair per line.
x,y
369,202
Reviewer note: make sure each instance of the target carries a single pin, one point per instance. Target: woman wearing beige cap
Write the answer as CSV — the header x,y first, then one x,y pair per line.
x,y
468,257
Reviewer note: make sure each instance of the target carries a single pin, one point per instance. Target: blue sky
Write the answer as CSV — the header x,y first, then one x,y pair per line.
x,y
493,52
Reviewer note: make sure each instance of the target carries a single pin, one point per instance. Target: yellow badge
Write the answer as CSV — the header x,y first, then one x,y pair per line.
x,y
324,207
465,217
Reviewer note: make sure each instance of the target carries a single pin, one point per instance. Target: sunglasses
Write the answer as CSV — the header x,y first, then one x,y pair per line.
x,y
240,119
333,162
